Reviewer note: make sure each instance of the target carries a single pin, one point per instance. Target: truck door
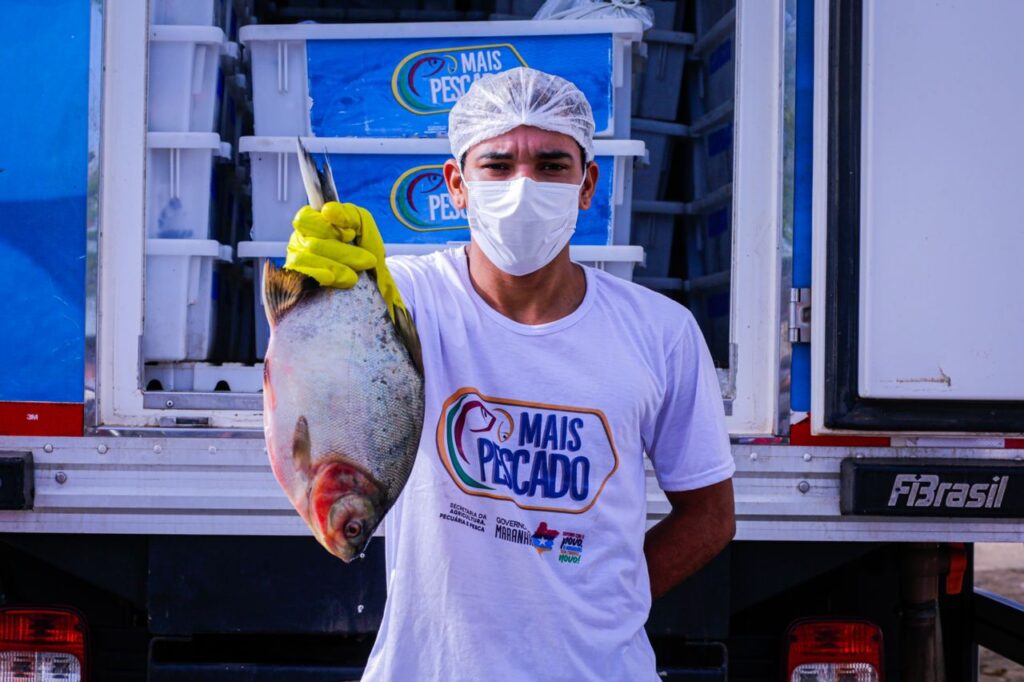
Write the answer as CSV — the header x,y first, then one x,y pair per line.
x,y
917,315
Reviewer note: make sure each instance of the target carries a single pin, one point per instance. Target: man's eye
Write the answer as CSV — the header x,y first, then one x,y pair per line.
x,y
554,167
497,166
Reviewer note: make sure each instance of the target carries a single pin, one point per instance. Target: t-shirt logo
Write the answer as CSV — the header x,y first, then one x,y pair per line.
x,y
542,457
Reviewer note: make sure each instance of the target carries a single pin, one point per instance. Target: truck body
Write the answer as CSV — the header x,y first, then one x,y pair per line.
x,y
841,219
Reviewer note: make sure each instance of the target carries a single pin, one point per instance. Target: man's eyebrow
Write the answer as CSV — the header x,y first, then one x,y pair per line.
x,y
554,154
494,156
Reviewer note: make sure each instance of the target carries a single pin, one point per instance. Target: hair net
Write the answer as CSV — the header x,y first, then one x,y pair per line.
x,y
499,102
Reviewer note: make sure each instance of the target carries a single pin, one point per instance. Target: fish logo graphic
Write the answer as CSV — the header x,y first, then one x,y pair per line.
x,y
420,201
542,457
430,81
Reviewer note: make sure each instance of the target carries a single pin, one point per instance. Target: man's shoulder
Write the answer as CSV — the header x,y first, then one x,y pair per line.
x,y
650,308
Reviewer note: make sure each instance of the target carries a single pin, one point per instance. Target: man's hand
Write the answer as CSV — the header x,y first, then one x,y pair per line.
x,y
319,248
700,525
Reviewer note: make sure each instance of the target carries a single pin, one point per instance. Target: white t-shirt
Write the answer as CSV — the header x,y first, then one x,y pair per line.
x,y
515,551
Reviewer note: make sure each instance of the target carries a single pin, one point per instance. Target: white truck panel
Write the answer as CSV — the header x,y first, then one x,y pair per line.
x,y
941,315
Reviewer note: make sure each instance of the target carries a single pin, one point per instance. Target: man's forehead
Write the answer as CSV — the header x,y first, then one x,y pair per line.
x,y
526,138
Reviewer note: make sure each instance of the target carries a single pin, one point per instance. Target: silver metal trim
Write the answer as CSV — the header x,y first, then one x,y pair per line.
x,y
92,200
785,367
196,400
181,432
156,483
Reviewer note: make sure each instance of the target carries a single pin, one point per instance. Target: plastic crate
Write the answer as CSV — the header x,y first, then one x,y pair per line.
x,y
710,12
518,8
180,293
179,170
183,12
184,65
719,71
654,229
714,241
399,181
615,260
202,377
650,181
401,79
659,86
716,147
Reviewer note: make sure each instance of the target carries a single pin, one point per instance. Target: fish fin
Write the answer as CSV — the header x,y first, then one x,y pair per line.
x,y
319,184
282,289
406,329
330,191
302,457
310,176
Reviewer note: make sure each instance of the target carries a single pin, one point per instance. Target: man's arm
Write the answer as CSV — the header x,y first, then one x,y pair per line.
x,y
700,525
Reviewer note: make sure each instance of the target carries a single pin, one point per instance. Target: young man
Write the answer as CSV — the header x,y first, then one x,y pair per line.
x,y
517,549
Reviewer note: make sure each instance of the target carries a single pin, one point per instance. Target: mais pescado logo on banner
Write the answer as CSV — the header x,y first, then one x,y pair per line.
x,y
540,457
430,81
421,202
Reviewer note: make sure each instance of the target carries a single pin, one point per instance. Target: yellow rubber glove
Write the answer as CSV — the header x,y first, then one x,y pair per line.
x,y
319,248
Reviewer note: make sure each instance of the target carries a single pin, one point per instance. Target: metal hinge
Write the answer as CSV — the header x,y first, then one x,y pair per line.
x,y
800,315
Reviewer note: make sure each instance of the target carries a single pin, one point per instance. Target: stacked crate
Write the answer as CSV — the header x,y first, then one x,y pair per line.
x,y
710,96
660,74
374,99
185,48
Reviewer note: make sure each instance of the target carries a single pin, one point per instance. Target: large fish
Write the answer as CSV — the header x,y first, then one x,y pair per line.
x,y
342,396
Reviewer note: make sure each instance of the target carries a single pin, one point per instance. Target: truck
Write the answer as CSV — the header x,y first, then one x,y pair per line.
x,y
828,185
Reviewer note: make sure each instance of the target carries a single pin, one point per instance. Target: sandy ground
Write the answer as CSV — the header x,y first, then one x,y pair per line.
x,y
999,568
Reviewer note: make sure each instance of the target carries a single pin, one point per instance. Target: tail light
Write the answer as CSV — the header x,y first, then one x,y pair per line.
x,y
834,651
41,645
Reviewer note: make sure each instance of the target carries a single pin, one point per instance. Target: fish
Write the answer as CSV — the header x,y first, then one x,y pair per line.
x,y
343,395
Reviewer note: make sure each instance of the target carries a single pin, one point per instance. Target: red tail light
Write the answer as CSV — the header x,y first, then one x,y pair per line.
x,y
834,651
41,645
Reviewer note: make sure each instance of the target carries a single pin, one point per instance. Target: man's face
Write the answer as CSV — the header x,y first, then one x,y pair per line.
x,y
525,151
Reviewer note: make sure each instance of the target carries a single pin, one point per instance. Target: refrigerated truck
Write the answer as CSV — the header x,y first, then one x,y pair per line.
x,y
870,371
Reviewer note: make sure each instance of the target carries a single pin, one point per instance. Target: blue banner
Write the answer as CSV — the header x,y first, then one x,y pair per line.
x,y
406,87
44,48
407,196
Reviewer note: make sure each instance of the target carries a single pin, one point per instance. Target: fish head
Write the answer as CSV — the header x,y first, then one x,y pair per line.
x,y
345,506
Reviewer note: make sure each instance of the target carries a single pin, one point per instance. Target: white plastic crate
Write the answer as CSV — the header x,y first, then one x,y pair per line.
x,y
399,181
179,172
401,79
184,65
180,292
616,260
202,377
183,12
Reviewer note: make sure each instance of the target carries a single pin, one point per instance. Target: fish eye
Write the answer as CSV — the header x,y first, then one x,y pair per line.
x,y
353,529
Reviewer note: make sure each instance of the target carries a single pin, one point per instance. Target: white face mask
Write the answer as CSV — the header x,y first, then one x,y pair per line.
x,y
522,224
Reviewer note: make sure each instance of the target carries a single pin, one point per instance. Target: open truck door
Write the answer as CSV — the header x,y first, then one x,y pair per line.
x,y
917,317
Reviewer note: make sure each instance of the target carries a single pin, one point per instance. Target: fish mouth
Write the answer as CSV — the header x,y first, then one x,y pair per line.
x,y
346,505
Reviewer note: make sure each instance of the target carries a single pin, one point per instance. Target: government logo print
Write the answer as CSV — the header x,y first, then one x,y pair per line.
x,y
430,81
544,538
538,456
420,201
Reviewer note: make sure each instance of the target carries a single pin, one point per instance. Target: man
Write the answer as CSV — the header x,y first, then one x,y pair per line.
x,y
517,549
